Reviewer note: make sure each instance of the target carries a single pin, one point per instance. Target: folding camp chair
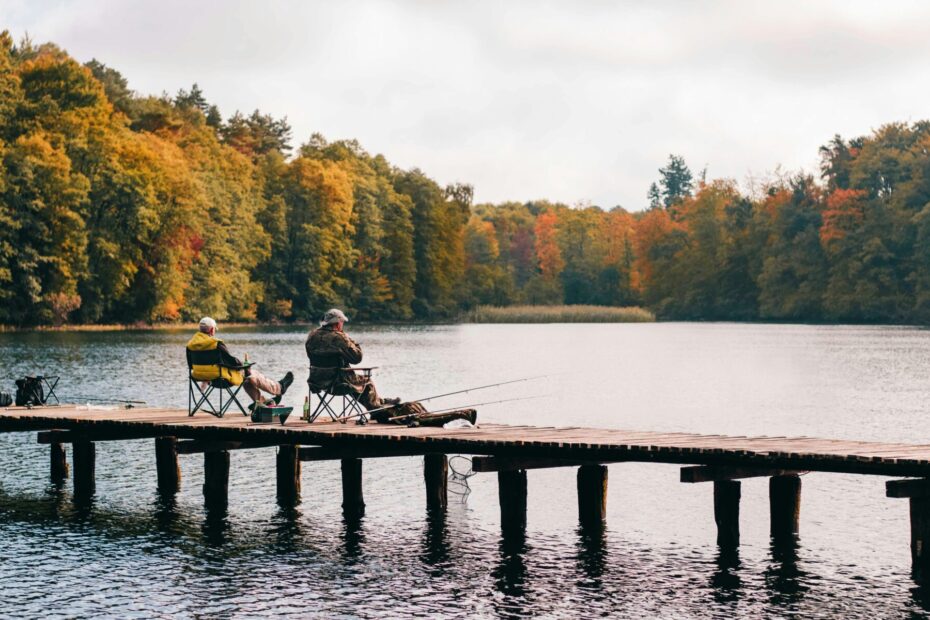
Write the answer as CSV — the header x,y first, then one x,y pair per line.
x,y
199,393
339,387
50,384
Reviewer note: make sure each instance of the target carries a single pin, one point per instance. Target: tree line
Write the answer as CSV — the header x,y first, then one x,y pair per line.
x,y
118,208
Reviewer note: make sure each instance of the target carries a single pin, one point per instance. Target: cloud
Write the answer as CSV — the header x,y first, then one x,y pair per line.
x,y
565,100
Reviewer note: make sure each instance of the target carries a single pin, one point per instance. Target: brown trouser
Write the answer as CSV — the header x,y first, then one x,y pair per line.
x,y
369,397
256,383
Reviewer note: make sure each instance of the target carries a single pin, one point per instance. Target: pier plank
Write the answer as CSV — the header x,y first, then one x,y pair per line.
x,y
493,439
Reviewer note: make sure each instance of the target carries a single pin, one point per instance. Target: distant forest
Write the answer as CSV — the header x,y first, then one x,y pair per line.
x,y
120,208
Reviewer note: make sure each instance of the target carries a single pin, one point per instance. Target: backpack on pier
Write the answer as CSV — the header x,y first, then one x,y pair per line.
x,y
29,392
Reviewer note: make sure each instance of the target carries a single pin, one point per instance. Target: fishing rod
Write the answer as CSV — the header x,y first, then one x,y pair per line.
x,y
465,391
107,400
492,402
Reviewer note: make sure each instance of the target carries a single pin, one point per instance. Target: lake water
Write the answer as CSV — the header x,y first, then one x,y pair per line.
x,y
130,553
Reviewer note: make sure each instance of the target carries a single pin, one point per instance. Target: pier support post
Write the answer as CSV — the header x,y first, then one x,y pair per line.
x,y
436,477
353,501
784,506
167,466
216,477
726,512
920,536
511,491
58,463
917,490
592,495
288,471
84,454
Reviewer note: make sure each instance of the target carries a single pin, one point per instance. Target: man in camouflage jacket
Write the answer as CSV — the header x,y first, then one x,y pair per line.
x,y
331,352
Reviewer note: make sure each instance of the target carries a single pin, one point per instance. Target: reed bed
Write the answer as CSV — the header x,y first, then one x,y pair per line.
x,y
560,314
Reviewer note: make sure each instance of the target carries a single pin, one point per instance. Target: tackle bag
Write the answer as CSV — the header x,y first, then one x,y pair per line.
x,y
29,392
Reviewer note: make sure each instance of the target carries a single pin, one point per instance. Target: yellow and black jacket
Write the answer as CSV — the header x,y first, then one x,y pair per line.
x,y
207,357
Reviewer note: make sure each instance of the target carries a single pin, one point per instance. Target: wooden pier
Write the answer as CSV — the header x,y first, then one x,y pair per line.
x,y
508,450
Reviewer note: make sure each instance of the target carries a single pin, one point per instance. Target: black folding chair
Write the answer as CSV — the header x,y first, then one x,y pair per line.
x,y
200,392
339,387
50,384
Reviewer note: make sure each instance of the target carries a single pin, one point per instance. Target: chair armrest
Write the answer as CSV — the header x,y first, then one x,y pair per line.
x,y
244,366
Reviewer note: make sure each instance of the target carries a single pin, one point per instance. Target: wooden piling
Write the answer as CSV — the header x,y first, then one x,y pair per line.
x,y
920,536
353,501
592,494
84,453
511,491
216,477
58,463
288,474
166,465
726,512
436,477
784,506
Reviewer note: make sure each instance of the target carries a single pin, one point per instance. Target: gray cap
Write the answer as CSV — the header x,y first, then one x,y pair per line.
x,y
333,316
206,323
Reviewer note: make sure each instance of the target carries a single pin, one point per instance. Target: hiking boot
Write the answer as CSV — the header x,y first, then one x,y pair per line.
x,y
286,383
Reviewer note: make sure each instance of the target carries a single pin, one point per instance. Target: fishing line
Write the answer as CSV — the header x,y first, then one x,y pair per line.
x,y
491,402
465,391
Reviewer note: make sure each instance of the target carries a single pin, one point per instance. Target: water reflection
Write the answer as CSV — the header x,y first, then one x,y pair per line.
x,y
287,530
510,576
435,542
920,597
353,538
592,555
784,579
725,582
215,525
167,515
83,505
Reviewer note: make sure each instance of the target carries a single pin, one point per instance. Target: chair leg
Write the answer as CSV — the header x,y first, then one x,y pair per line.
x,y
327,403
359,412
350,407
203,401
316,411
232,399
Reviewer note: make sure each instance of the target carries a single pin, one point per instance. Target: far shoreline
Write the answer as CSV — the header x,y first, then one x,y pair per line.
x,y
236,325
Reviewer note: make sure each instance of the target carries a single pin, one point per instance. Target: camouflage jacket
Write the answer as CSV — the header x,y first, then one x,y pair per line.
x,y
330,351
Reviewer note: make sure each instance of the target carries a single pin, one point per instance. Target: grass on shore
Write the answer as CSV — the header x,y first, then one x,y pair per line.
x,y
481,314
560,314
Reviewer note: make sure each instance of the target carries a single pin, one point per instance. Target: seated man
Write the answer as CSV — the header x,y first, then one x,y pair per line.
x,y
254,382
331,351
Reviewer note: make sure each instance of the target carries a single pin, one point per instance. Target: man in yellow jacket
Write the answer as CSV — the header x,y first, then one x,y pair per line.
x,y
202,351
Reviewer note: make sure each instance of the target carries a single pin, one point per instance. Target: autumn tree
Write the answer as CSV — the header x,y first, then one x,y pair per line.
x,y
256,134
794,267
675,183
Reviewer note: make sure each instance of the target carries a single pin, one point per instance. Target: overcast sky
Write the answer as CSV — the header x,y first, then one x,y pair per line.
x,y
571,101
